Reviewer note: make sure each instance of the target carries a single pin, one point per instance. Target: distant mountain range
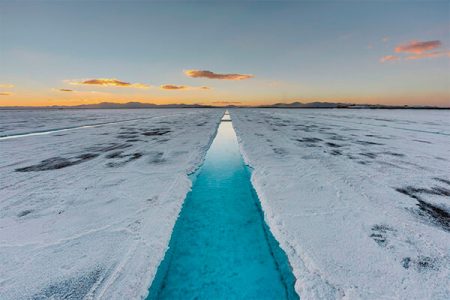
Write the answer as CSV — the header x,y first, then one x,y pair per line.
x,y
137,105
346,105
308,105
110,105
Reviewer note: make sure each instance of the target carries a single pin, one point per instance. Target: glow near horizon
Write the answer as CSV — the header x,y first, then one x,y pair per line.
x,y
296,51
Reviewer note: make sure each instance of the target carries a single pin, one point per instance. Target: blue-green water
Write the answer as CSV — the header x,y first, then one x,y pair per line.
x,y
221,247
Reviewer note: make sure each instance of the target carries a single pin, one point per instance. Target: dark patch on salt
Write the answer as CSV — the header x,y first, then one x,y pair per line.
x,y
442,180
280,151
116,154
421,263
129,158
309,140
369,154
24,213
413,191
367,143
135,156
379,234
157,131
394,154
333,145
406,262
424,263
108,147
127,136
335,152
73,288
311,145
436,214
422,141
56,163
408,191
430,212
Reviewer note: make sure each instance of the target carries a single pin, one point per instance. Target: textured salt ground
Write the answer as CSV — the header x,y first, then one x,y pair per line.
x,y
359,199
18,122
360,203
89,212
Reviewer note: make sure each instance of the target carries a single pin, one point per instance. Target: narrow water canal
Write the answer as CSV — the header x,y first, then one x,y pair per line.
x,y
221,247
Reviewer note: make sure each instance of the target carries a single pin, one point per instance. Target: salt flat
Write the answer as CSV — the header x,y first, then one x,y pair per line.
x,y
25,121
89,212
358,199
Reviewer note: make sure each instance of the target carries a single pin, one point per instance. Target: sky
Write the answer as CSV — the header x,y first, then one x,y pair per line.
x,y
224,52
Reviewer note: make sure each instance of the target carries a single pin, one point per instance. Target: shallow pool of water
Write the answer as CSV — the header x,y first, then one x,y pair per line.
x,y
221,247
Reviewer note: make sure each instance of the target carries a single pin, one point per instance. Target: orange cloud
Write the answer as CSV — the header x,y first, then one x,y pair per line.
x,y
389,58
212,75
5,94
109,82
182,87
65,90
6,85
417,50
417,47
173,87
429,55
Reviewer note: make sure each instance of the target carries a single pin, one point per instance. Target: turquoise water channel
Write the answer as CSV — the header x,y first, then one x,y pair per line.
x,y
221,248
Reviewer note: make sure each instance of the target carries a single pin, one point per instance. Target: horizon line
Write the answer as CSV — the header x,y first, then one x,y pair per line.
x,y
295,104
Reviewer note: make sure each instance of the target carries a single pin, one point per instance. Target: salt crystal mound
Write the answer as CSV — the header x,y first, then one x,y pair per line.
x,y
358,199
88,212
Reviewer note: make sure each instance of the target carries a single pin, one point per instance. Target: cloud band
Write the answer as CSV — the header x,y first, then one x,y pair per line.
x,y
212,75
174,87
112,82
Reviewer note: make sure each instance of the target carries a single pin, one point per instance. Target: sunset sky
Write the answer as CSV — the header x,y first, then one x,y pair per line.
x,y
218,52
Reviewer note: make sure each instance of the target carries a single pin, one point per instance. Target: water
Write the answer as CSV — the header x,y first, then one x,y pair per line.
x,y
221,247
